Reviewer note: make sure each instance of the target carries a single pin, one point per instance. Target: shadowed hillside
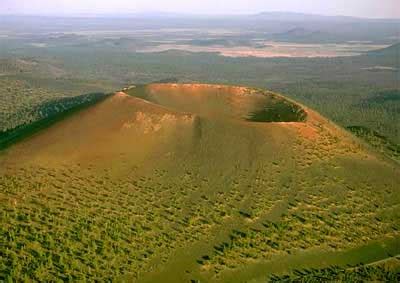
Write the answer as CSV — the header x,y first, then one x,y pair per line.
x,y
187,182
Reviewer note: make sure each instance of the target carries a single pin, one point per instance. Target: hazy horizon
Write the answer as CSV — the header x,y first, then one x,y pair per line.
x,y
357,8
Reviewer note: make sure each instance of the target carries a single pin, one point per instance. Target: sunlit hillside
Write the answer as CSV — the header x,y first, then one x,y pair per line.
x,y
194,183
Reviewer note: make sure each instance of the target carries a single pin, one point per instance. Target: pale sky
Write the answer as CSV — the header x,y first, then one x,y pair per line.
x,y
358,8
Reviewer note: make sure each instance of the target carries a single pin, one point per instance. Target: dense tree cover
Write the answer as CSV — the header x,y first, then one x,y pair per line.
x,y
363,273
45,114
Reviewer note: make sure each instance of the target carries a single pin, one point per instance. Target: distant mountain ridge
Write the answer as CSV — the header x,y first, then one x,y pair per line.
x,y
280,26
300,34
291,16
270,15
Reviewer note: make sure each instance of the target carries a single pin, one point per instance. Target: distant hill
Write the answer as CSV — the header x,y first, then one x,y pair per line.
x,y
303,35
391,51
289,16
344,29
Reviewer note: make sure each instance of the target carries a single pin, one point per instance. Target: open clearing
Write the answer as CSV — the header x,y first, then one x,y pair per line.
x,y
180,182
268,49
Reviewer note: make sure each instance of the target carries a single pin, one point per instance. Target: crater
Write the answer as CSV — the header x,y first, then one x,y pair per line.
x,y
222,102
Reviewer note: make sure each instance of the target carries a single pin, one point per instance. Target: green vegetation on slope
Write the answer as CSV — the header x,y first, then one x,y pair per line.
x,y
220,203
363,273
47,114
379,142
23,98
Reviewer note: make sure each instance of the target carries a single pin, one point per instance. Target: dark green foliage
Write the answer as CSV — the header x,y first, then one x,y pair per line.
x,y
338,274
378,141
166,81
49,113
392,95
279,110
60,105
349,104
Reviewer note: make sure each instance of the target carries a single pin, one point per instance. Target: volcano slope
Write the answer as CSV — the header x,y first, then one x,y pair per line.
x,y
187,182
